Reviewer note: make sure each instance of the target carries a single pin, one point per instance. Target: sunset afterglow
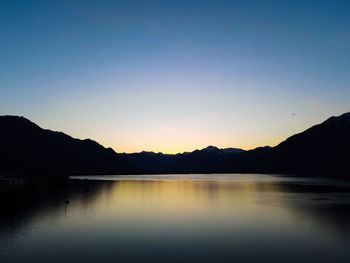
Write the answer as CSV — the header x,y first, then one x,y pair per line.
x,y
175,76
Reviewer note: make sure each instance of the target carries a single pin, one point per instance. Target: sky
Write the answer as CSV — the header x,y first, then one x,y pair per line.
x,y
174,76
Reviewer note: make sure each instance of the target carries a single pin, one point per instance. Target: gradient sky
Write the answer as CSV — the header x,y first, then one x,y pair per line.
x,y
174,76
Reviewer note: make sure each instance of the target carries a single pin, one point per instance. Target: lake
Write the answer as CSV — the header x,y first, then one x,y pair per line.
x,y
181,218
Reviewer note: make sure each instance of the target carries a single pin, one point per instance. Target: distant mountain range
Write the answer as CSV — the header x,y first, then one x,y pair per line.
x,y
28,149
213,149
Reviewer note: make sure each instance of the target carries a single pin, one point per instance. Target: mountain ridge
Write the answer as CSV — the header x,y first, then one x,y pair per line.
x,y
28,148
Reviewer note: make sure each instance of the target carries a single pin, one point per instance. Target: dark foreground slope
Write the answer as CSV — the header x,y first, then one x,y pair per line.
x,y
322,149
27,148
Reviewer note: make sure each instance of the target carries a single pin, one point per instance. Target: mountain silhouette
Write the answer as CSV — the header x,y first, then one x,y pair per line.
x,y
222,151
27,148
321,149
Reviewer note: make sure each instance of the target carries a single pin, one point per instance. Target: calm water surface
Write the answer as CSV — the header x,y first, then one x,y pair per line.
x,y
181,218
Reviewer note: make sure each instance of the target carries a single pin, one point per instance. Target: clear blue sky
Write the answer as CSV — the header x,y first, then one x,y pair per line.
x,y
173,76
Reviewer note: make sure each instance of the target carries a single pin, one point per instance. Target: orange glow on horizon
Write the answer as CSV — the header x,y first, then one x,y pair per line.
x,y
174,148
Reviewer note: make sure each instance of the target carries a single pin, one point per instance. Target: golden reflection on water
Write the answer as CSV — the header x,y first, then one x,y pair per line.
x,y
179,201
218,218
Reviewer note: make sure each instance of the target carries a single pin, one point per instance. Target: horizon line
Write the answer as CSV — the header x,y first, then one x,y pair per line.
x,y
179,152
